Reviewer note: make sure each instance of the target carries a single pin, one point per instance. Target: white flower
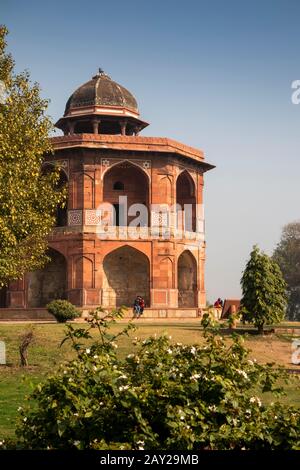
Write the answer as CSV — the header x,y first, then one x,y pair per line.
x,y
20,408
255,400
65,372
242,373
130,356
25,419
1,443
122,376
95,357
169,351
114,345
212,408
195,377
70,379
76,414
193,350
123,387
140,445
250,362
95,368
88,352
76,443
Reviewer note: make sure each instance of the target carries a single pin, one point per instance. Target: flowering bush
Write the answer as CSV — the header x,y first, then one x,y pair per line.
x,y
63,310
161,396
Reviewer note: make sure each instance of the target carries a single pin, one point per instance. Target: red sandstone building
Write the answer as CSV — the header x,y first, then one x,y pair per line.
x,y
98,257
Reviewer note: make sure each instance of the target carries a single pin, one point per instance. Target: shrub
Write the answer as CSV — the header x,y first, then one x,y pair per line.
x,y
63,310
162,396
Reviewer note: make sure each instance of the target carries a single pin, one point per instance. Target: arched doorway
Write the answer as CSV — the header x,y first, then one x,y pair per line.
x,y
187,280
126,180
186,195
48,283
126,275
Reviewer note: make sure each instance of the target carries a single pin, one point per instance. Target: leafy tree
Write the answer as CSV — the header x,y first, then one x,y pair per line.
x,y
264,291
28,197
162,396
287,255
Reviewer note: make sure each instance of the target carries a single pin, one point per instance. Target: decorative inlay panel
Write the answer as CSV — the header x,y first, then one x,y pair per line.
x,y
75,217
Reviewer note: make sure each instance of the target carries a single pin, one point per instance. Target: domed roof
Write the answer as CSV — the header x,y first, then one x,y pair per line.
x,y
101,91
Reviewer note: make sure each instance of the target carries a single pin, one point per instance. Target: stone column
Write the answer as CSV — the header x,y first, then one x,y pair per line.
x,y
71,127
123,125
95,126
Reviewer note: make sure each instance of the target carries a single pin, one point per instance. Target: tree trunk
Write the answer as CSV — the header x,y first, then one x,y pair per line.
x,y
260,329
23,357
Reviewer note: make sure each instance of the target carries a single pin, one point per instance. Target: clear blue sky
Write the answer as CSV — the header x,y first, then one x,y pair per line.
x,y
213,74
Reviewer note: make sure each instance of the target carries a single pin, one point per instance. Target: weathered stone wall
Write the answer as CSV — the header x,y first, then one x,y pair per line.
x,y
49,283
187,280
126,275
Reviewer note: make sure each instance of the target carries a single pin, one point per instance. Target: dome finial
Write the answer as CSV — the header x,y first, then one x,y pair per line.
x,y
100,73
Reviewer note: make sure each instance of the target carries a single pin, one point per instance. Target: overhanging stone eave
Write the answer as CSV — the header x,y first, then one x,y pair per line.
x,y
131,143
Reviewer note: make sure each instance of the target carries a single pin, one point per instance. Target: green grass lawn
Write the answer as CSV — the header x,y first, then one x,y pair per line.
x,y
45,355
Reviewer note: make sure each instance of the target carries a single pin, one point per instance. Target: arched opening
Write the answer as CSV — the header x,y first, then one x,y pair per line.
x,y
61,214
135,191
3,297
187,280
126,275
186,199
49,283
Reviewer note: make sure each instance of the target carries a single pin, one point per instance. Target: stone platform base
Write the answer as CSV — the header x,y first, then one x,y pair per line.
x,y
25,314
157,313
41,314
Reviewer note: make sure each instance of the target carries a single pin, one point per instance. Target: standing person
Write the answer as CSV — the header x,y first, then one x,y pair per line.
x,y
136,308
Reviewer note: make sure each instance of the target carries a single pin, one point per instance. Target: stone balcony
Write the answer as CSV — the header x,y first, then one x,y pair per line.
x,y
131,233
89,221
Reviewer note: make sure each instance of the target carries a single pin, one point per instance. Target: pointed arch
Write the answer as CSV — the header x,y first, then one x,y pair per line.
x,y
126,274
61,212
83,273
186,202
166,273
187,280
136,191
88,191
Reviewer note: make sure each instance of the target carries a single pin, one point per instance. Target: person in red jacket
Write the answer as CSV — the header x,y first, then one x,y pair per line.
x,y
141,304
218,303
